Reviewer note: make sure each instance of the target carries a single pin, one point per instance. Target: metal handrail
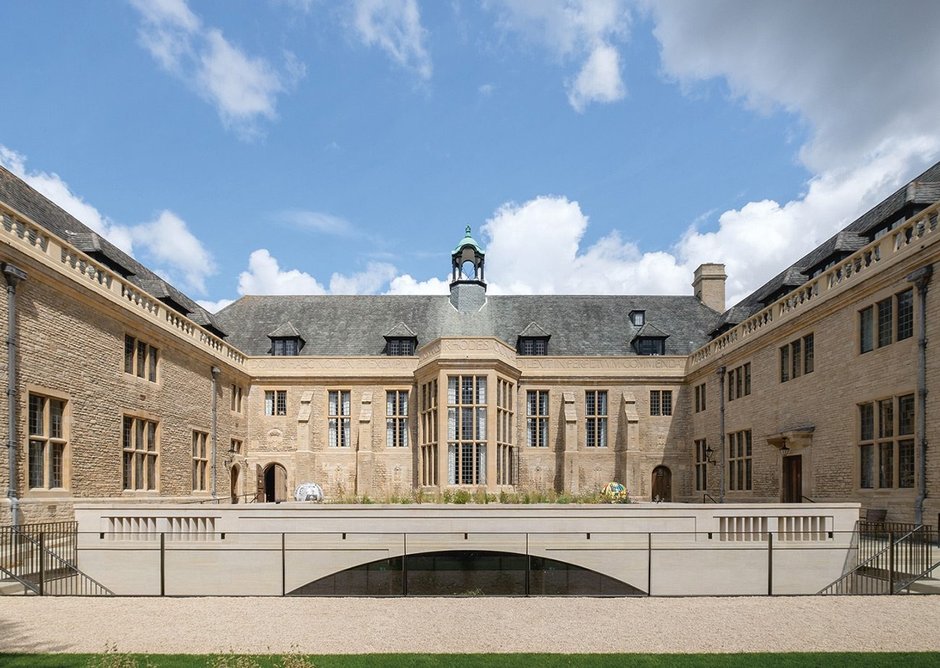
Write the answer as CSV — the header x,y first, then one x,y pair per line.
x,y
26,584
829,589
706,495
70,570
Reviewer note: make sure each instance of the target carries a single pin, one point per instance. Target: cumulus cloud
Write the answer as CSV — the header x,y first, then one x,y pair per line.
x,y
408,285
265,277
375,277
857,76
242,88
599,79
165,241
576,30
395,27
214,307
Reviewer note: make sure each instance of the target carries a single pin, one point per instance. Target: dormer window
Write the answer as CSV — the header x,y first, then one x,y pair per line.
x,y
650,340
400,341
286,341
533,340
400,346
648,345
285,347
533,345
638,318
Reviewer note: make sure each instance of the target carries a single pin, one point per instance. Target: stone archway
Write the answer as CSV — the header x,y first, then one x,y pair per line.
x,y
275,483
235,482
661,488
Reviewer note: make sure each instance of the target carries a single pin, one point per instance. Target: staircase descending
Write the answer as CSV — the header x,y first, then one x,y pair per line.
x,y
890,558
41,559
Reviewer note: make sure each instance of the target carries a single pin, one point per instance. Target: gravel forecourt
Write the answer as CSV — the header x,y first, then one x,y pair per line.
x,y
458,625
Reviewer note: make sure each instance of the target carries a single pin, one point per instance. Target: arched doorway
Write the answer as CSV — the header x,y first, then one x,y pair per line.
x,y
662,484
275,483
234,486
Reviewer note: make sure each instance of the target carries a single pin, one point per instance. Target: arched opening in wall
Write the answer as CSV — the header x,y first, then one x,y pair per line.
x,y
468,270
275,483
235,480
662,484
467,573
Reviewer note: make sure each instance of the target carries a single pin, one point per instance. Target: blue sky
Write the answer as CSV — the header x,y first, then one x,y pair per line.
x,y
596,146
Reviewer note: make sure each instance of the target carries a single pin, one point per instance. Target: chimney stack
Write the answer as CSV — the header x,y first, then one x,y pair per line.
x,y
708,283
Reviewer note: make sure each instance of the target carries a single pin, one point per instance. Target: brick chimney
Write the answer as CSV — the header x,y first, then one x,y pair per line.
x,y
708,283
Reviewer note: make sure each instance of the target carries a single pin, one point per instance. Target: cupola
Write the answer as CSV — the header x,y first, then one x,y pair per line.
x,y
467,286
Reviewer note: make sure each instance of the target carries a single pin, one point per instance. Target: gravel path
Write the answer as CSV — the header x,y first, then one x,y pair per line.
x,y
335,625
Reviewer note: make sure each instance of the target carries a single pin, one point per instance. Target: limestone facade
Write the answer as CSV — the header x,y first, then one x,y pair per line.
x,y
212,423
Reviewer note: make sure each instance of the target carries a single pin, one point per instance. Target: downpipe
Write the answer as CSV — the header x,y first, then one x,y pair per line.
x,y
721,434
921,278
215,429
13,275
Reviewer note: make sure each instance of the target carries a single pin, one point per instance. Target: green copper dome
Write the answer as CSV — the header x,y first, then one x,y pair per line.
x,y
468,241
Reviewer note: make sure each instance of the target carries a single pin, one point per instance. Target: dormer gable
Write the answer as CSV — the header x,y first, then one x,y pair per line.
x,y
286,341
400,341
533,340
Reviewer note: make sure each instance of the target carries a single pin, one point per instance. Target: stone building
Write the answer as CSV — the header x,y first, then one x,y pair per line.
x,y
813,388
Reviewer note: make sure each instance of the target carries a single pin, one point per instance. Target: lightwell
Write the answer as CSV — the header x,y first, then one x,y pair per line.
x,y
467,573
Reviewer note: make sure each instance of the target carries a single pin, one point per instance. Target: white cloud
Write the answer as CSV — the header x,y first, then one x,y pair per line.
x,y
214,307
576,30
858,76
317,221
407,285
372,280
265,277
243,89
599,79
167,242
395,27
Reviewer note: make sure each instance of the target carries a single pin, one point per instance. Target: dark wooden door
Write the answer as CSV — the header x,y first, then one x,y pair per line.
x,y
662,484
793,479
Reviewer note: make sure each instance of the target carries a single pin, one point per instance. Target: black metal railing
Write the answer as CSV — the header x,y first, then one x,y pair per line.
x,y
43,559
891,556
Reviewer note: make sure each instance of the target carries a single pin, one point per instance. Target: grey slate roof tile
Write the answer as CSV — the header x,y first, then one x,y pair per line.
x,y
356,325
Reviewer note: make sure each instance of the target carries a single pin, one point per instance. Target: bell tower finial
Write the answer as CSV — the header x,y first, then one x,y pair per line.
x,y
468,251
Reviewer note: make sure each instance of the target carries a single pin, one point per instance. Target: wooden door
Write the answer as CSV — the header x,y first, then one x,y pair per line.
x,y
662,484
793,479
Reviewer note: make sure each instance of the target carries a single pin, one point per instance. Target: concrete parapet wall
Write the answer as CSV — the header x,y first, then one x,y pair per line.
x,y
268,549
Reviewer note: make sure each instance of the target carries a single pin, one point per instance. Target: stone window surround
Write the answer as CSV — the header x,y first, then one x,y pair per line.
x,y
595,420
200,461
797,358
881,435
48,393
277,406
149,487
138,351
886,321
661,403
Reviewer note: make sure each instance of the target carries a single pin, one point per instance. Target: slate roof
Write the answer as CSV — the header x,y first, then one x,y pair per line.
x,y
285,331
534,330
18,194
356,325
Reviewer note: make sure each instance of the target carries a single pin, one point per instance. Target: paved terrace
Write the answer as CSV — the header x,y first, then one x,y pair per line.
x,y
340,625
